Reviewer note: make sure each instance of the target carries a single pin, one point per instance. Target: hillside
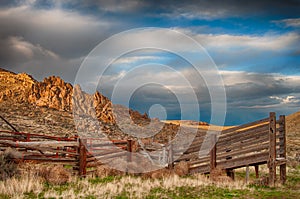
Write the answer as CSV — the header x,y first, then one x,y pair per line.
x,y
293,135
46,107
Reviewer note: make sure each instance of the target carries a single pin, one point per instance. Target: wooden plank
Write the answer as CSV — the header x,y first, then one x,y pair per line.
x,y
239,145
52,144
200,169
243,161
49,159
243,152
213,152
104,152
248,133
200,160
106,143
233,129
272,149
282,137
34,135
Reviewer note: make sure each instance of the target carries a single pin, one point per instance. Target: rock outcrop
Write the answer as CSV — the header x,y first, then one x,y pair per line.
x,y
15,87
53,92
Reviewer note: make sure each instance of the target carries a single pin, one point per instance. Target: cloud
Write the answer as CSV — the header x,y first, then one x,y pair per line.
x,y
134,59
49,41
66,33
217,9
294,22
190,9
270,42
286,100
19,50
257,53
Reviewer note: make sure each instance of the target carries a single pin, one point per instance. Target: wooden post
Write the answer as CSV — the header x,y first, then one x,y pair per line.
x,y
272,149
256,171
82,157
230,173
282,142
247,174
213,152
129,150
170,154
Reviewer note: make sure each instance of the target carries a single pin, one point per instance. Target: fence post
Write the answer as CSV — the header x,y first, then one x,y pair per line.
x,y
170,154
272,149
282,150
82,157
256,167
213,152
129,150
129,153
247,174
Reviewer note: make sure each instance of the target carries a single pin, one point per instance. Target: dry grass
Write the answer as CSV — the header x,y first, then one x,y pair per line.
x,y
8,167
53,174
33,180
219,175
181,169
158,174
16,187
137,187
104,171
293,135
58,175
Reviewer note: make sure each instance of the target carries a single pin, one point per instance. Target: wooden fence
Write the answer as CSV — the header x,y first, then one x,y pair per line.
x,y
252,144
83,154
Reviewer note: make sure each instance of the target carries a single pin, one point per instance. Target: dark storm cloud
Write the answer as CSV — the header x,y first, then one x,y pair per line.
x,y
199,8
47,42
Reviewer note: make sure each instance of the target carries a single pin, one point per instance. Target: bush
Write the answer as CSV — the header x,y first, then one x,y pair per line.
x,y
54,174
8,167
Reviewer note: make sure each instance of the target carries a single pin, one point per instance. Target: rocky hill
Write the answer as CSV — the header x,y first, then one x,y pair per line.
x,y
15,87
54,93
46,107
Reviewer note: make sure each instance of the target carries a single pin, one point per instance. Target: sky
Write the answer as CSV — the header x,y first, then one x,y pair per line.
x,y
254,45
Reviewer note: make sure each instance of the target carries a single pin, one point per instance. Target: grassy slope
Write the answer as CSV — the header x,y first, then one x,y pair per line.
x,y
136,187
293,134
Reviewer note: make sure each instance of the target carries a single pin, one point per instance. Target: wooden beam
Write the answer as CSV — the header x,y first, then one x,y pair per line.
x,y
282,138
42,144
256,171
129,150
213,152
247,174
171,156
272,149
82,157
